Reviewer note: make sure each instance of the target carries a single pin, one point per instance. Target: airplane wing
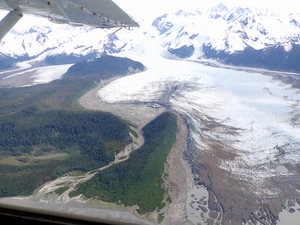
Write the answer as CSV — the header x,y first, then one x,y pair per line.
x,y
95,13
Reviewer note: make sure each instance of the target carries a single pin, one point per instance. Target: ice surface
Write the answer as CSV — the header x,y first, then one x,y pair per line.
x,y
258,108
47,74
40,75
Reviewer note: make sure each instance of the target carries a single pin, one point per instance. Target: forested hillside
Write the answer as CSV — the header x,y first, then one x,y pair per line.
x,y
90,140
58,130
137,180
45,120
65,92
107,66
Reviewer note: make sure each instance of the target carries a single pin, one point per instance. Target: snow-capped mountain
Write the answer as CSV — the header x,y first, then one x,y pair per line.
x,y
257,29
60,45
241,36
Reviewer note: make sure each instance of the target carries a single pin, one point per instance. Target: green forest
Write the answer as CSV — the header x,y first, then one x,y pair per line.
x,y
90,139
97,135
46,119
137,180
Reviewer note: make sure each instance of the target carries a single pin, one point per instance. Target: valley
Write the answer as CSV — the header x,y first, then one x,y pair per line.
x,y
51,148
232,118
227,126
229,78
237,123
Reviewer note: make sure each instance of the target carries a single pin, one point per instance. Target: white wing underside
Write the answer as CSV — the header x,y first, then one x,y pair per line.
x,y
95,13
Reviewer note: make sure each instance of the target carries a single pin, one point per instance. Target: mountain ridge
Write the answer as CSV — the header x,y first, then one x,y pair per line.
x,y
218,33
105,66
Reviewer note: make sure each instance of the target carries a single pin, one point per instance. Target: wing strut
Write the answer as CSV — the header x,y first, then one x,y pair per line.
x,y
112,34
9,21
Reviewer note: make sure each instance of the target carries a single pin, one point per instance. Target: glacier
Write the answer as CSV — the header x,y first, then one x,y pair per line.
x,y
244,126
260,108
246,121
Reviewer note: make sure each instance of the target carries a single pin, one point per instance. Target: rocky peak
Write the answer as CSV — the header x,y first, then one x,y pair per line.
x,y
219,8
184,13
